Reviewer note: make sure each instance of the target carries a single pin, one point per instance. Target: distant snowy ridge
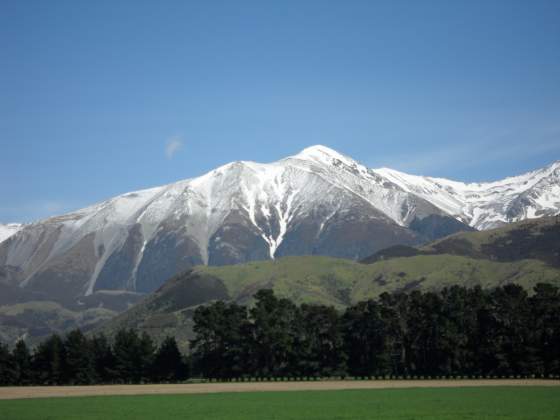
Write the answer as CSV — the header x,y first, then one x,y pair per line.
x,y
316,202
491,204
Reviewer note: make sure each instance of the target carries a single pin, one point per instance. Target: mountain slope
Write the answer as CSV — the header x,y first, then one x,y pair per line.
x,y
530,239
537,239
317,202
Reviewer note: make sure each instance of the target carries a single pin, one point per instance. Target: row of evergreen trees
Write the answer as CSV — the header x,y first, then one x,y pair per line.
x,y
456,332
79,360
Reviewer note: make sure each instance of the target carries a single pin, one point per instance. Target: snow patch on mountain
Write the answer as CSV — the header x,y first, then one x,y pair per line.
x,y
9,229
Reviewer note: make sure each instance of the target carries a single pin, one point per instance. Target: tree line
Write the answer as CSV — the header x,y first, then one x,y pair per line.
x,y
79,360
455,332
468,332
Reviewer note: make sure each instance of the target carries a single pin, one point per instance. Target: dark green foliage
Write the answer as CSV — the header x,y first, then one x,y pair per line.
x,y
220,345
21,359
146,352
168,362
457,332
545,305
103,359
273,334
125,350
510,340
459,341
7,372
365,340
49,362
318,348
80,361
133,356
278,339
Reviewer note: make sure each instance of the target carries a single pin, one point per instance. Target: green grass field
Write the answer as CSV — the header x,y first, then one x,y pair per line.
x,y
405,404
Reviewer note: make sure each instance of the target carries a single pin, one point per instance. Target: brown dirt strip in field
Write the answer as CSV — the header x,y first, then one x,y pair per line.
x,y
7,393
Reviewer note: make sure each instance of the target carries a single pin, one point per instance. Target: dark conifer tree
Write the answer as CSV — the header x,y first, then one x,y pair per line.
x,y
545,304
458,323
478,354
427,329
394,312
168,363
7,371
126,349
103,359
49,362
318,349
511,334
145,357
22,364
222,338
366,340
273,335
80,362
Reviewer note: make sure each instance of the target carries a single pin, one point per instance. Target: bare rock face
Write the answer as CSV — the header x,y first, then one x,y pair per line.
x,y
317,202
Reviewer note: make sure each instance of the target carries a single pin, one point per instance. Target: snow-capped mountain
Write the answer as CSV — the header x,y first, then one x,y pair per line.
x,y
8,230
316,202
491,204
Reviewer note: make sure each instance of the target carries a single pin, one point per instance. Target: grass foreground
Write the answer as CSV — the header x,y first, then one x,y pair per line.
x,y
427,403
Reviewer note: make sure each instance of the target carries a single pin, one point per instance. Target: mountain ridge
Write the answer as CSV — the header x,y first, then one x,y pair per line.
x,y
317,202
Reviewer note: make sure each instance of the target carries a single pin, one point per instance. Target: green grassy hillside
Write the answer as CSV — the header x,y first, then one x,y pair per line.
x,y
340,282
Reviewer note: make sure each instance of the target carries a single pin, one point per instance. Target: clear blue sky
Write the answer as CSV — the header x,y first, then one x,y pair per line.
x,y
94,93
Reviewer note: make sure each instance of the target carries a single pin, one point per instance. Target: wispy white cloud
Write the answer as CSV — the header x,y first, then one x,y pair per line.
x,y
173,145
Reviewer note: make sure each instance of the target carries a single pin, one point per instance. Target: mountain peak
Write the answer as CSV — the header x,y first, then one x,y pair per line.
x,y
323,154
